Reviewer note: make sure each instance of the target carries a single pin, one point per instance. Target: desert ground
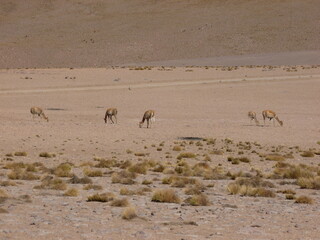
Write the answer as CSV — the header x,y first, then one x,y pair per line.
x,y
230,177
203,170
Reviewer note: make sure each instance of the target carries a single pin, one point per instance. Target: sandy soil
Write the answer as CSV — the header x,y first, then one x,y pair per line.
x,y
189,102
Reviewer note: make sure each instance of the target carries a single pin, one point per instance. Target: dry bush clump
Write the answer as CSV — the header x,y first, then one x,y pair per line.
x,y
217,152
125,164
20,154
141,154
158,168
92,173
247,190
216,173
292,171
123,177
304,199
274,157
251,187
63,170
290,196
179,182
309,183
7,183
126,191
120,202
198,200
177,148
49,182
47,155
103,197
165,195
20,174
307,154
287,191
129,213
210,141
186,155
106,163
140,168
92,186
72,192
76,180
146,182
2,210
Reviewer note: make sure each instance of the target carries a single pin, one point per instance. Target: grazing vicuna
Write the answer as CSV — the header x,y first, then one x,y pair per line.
x,y
111,112
38,111
149,116
271,115
253,116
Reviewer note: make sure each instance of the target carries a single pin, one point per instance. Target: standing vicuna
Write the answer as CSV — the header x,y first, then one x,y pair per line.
x,y
38,111
149,116
270,115
253,116
111,112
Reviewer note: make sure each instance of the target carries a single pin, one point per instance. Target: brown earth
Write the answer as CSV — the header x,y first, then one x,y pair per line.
x,y
99,33
203,103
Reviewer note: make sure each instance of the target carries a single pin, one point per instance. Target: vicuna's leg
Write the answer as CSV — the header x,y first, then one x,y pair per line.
x,y
148,120
115,117
110,117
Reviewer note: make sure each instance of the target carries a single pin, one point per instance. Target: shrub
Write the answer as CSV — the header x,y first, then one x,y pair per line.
x,y
77,180
176,148
72,192
20,154
304,200
92,173
63,170
123,177
186,155
274,157
104,197
92,186
105,163
307,154
52,183
198,200
120,202
309,183
47,155
165,195
129,213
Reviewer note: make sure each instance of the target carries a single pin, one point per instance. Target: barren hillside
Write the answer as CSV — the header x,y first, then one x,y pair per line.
x,y
97,33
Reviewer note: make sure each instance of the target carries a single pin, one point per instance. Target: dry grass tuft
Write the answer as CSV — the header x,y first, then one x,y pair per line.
x,y
120,203
49,182
247,190
19,174
126,191
47,155
198,200
309,183
186,155
304,200
103,197
63,170
77,180
92,186
72,192
274,157
129,213
165,195
177,148
20,154
7,183
106,163
140,168
307,154
92,173
123,177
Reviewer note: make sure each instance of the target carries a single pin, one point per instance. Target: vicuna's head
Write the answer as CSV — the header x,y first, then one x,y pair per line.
x,y
281,123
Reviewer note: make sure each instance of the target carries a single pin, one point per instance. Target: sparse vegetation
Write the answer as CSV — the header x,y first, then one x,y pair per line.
x,y
165,195
47,155
129,213
307,154
120,202
103,197
304,199
72,192
20,154
198,200
186,155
